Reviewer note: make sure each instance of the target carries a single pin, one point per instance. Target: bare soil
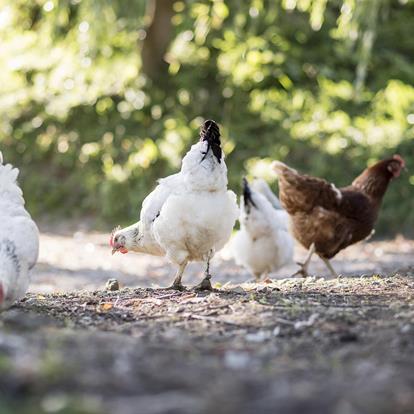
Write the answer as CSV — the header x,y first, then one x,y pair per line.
x,y
285,345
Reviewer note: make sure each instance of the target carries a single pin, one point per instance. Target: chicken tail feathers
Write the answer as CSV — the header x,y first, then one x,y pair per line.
x,y
302,192
280,168
210,132
8,177
263,188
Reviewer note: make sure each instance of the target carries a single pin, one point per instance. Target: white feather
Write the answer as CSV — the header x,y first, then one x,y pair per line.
x,y
263,244
189,215
262,187
338,194
19,238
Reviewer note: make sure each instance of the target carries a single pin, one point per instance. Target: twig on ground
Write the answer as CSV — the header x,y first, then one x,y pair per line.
x,y
215,320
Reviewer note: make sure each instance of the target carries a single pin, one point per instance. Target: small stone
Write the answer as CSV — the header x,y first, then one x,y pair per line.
x,y
348,336
276,331
236,359
112,285
258,337
239,290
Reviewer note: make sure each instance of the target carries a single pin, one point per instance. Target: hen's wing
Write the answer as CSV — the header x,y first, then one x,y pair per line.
x,y
153,203
23,232
302,193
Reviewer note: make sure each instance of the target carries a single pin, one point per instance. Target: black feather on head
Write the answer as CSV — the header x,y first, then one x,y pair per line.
x,y
210,132
247,195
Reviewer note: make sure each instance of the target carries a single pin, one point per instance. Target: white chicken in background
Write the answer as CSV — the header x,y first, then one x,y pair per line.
x,y
263,244
19,238
190,215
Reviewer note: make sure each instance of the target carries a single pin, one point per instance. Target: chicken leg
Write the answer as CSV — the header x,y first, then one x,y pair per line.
x,y
205,284
177,285
329,266
305,265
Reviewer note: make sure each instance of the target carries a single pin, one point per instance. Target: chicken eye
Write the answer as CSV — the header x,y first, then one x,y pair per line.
x,y
116,239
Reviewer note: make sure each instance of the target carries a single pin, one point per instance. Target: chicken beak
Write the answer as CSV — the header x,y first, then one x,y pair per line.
x,y
114,250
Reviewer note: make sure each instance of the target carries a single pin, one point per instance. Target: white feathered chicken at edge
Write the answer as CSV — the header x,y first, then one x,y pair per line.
x,y
19,238
263,244
190,215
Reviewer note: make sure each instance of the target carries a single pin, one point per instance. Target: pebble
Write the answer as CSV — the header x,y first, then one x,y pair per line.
x,y
258,337
276,331
112,285
236,359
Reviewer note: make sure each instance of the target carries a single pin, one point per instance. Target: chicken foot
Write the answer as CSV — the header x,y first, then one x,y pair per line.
x,y
330,267
205,284
177,285
305,265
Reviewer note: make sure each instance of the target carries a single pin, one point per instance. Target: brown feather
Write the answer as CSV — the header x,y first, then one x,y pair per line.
x,y
334,218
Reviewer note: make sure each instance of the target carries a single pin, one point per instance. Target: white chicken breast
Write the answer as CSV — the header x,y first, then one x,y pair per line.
x,y
263,244
190,215
19,238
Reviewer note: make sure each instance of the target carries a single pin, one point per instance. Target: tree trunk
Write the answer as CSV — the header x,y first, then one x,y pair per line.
x,y
157,39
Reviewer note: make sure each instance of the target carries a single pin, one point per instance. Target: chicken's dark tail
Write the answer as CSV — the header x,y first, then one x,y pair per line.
x,y
210,132
247,195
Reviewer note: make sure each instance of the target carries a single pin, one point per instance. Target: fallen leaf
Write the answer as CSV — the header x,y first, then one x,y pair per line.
x,y
105,307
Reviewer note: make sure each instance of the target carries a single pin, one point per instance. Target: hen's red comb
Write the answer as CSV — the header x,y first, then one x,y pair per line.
x,y
111,239
400,159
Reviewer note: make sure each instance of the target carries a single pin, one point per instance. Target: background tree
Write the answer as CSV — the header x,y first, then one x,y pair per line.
x,y
324,85
157,37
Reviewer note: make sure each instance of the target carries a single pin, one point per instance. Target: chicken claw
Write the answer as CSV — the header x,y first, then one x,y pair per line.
x,y
205,284
177,286
305,265
302,271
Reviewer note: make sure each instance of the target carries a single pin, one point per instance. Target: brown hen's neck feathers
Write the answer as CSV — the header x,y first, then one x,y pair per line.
x,y
374,181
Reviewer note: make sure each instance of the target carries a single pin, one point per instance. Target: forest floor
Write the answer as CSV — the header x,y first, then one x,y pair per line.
x,y
284,345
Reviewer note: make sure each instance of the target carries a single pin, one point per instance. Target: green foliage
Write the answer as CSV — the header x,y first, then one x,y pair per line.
x,y
324,85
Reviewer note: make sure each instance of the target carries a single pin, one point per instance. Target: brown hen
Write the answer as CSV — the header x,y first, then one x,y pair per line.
x,y
326,219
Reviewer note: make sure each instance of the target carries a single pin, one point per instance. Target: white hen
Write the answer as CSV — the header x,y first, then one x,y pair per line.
x,y
263,244
19,238
190,215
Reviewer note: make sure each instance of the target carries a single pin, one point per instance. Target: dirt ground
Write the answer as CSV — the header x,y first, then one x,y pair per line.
x,y
286,345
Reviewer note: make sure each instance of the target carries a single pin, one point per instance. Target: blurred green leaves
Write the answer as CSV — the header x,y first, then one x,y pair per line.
x,y
324,84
